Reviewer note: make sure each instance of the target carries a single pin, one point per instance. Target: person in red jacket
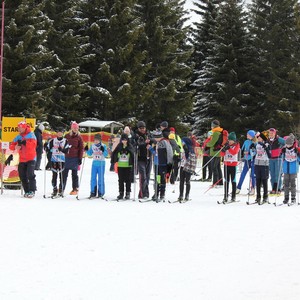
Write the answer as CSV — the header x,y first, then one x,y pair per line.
x,y
230,153
25,144
73,158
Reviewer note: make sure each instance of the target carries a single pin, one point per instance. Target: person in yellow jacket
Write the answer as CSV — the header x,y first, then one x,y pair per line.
x,y
215,153
176,144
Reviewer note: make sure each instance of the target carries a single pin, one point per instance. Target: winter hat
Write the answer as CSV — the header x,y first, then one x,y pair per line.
x,y
289,142
60,129
251,133
172,136
74,125
172,129
272,130
164,124
232,136
97,136
141,124
124,136
22,124
157,134
126,130
215,123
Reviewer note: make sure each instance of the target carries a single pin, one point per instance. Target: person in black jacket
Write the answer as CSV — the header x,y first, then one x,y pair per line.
x,y
124,155
144,158
39,145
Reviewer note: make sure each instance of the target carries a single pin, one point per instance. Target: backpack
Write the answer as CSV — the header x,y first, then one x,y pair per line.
x,y
222,140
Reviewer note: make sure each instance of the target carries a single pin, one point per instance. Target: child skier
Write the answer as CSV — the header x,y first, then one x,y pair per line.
x,y
124,155
98,151
163,159
248,163
291,159
230,153
261,166
58,147
189,162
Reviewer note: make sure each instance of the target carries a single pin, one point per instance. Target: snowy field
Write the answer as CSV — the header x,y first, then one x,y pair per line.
x,y
96,249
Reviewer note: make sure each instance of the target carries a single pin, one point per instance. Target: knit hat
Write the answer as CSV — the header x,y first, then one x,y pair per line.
x,y
164,124
97,137
272,130
41,127
172,136
251,133
22,124
126,130
289,142
157,134
172,129
74,125
124,136
232,136
60,129
141,124
215,123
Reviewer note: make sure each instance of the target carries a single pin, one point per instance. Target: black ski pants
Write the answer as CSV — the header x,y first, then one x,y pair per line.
x,y
27,175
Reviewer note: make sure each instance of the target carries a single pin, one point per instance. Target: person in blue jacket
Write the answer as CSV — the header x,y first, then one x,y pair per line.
x,y
291,158
248,163
98,151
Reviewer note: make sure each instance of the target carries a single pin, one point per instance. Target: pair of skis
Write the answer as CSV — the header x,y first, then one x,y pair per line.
x,y
228,202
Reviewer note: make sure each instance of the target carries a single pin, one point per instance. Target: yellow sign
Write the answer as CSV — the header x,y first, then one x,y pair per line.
x,y
10,127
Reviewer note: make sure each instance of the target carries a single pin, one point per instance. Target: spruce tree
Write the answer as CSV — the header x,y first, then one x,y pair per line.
x,y
168,53
27,72
118,65
203,35
276,76
223,78
69,45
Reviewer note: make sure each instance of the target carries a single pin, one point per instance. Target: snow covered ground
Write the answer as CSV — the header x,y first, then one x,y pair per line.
x,y
95,249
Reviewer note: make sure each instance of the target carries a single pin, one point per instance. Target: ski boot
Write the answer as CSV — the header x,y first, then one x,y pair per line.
x,y
127,196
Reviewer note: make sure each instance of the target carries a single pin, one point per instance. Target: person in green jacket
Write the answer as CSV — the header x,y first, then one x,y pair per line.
x,y
215,153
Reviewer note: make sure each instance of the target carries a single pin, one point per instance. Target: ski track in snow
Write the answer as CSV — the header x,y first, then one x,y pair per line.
x,y
96,249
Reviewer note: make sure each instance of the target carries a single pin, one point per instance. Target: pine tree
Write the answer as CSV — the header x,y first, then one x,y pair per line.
x,y
69,44
276,79
223,79
27,72
168,53
203,36
118,65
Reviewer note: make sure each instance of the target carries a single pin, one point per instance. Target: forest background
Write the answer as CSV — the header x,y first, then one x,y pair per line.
x,y
129,60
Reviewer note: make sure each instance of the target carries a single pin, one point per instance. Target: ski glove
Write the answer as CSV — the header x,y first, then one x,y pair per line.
x,y
102,148
79,161
60,148
9,159
21,142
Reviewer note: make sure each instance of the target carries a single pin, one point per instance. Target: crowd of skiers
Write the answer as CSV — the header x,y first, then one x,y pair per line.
x,y
264,153
170,157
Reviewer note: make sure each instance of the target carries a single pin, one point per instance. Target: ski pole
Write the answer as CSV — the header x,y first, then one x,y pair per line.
x,y
212,186
45,160
134,172
279,174
80,178
209,160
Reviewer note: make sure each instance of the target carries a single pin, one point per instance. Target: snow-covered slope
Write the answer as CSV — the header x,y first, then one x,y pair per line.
x,y
96,249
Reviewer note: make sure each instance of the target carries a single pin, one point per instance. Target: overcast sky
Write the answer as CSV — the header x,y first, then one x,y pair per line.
x,y
189,5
